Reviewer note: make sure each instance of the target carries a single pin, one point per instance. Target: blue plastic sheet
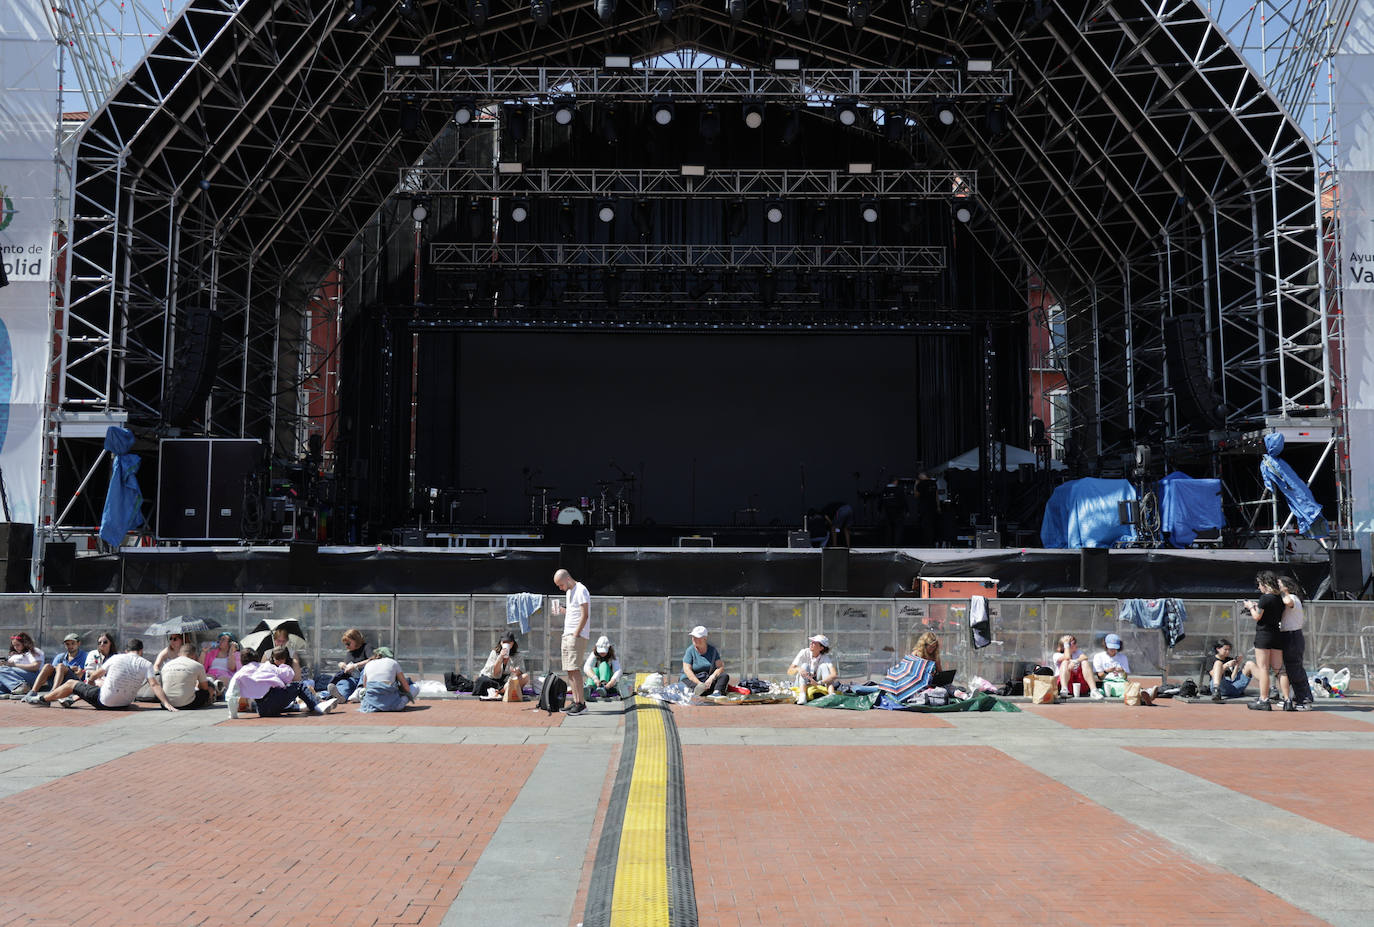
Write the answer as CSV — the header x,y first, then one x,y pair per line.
x,y
1187,506
123,500
1280,477
1083,513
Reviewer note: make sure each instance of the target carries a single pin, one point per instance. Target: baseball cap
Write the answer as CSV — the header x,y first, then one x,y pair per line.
x,y
71,637
699,631
1113,642
603,644
819,639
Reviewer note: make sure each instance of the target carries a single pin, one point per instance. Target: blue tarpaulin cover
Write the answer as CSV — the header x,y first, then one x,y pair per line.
x,y
1083,513
1187,506
123,500
1280,477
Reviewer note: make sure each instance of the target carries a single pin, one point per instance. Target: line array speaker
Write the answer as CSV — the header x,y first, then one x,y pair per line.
x,y
198,335
59,565
1185,359
16,555
303,564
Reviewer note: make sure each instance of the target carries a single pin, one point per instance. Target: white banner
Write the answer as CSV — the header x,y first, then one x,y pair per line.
x,y
28,133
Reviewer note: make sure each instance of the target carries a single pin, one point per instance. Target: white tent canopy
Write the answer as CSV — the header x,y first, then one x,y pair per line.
x,y
1015,457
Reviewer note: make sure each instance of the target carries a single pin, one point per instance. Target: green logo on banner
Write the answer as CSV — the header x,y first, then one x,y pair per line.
x,y
6,209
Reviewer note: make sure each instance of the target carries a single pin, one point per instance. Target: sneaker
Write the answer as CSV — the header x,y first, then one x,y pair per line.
x,y
1097,695
67,702
1288,705
576,708
801,696
326,706
334,692
1303,706
1260,704
34,698
4,695
21,689
356,695
233,705
1217,697
1065,694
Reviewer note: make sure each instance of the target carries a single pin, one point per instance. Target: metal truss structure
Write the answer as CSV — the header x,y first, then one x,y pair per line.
x,y
859,182
842,259
1122,154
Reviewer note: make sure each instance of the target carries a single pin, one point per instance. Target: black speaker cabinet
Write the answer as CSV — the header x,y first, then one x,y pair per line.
x,y
604,537
1092,570
195,360
987,539
59,565
303,564
16,555
834,570
573,558
1347,571
200,484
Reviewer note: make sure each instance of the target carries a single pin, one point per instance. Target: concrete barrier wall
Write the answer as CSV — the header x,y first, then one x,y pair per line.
x,y
757,637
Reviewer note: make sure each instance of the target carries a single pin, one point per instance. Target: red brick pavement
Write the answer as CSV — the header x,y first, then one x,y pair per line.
x,y
1178,715
1326,786
790,835
229,835
461,712
798,716
16,714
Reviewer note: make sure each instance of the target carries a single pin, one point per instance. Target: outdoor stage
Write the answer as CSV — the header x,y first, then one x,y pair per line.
x,y
664,571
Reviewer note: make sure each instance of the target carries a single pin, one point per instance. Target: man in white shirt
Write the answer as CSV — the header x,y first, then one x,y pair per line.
x,y
114,685
576,611
185,681
1111,660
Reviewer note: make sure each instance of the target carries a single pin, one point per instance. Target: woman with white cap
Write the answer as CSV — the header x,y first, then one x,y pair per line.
x,y
702,667
813,668
602,670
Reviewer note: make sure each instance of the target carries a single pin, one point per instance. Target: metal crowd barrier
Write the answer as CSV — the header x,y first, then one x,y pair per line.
x,y
756,636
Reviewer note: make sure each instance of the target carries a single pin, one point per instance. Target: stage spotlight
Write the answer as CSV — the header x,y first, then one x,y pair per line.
x,y
997,118
796,11
464,111
738,9
610,286
987,10
664,9
608,128
519,210
517,120
541,11
944,113
419,208
846,111
791,129
410,115
753,113
605,10
477,12
921,11
773,213
859,11
605,211
894,125
409,10
564,111
643,217
963,212
709,122
566,226
868,210
736,218
361,12
662,110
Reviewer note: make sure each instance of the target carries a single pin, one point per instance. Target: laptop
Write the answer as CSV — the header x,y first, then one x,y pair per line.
x,y
942,678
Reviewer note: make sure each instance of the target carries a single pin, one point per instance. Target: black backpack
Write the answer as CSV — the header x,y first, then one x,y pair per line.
x,y
551,696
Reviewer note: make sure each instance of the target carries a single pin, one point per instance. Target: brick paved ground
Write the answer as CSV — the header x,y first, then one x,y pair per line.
x,y
1177,715
785,716
1328,786
14,713
787,835
461,712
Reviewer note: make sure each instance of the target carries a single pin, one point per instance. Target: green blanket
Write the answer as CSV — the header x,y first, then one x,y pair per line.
x,y
983,701
840,700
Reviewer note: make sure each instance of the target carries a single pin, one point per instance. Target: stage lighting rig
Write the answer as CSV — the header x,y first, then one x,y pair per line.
x,y
419,208
945,114
846,111
796,11
738,9
517,120
859,11
605,11
753,113
541,11
477,12
868,211
409,10
963,212
921,11
605,211
664,9
662,110
361,12
737,218
564,111
519,210
464,111
410,115
709,122
773,213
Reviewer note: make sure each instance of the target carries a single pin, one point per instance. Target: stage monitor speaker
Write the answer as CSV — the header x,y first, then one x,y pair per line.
x,y
799,539
59,565
835,570
987,540
573,558
604,537
16,555
1347,571
1092,570
1186,361
200,487
192,374
303,564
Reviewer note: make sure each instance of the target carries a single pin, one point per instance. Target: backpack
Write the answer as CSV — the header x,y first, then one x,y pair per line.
x,y
551,695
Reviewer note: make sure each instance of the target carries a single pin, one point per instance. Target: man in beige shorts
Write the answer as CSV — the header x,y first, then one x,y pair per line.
x,y
576,610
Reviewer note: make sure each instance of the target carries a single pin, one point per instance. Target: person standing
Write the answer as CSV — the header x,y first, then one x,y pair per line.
x,y
576,612
927,510
1268,615
1294,646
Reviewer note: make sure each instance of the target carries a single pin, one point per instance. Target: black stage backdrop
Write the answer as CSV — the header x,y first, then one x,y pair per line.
x,y
709,425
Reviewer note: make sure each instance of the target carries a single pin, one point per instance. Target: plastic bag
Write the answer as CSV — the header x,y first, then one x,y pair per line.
x,y
979,684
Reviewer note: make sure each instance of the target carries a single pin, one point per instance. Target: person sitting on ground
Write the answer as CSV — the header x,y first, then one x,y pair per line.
x,y
1225,675
281,639
1071,666
602,670
185,681
69,664
20,670
173,649
928,648
222,660
702,667
273,685
502,672
115,684
1110,661
1268,615
345,681
814,670
1294,646
385,687
104,649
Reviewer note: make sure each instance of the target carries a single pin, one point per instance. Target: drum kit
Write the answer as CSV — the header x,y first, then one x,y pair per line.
x,y
610,507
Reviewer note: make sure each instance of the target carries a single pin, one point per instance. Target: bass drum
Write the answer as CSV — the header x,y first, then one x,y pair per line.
x,y
570,515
